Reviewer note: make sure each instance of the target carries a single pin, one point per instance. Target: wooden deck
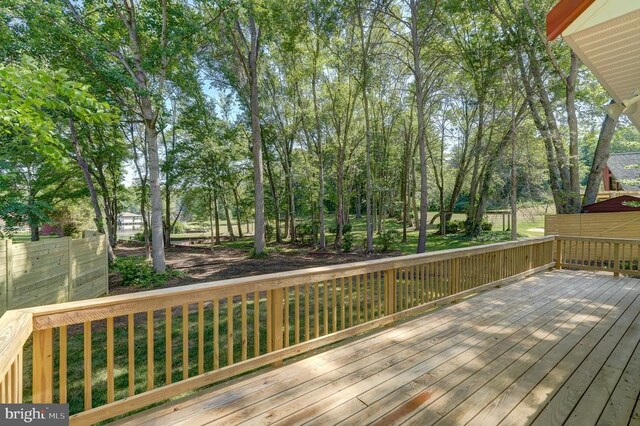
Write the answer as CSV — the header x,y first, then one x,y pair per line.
x,y
558,347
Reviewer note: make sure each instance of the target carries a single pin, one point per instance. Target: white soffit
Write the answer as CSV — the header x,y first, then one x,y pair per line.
x,y
606,37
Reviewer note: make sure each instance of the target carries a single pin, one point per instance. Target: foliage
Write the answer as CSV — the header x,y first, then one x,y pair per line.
x,y
268,231
134,271
387,238
486,226
454,226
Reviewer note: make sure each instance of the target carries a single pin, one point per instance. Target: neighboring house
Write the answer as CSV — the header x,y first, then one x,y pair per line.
x,y
622,172
624,203
129,221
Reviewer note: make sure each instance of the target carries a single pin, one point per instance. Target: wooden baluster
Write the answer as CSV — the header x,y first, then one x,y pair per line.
x,y
110,360
88,403
325,307
285,319
62,379
559,253
350,291
365,296
256,323
343,315
358,299
200,337
296,314
380,291
316,309
150,354
307,312
229,330
334,307
616,259
185,341
131,344
216,334
168,345
243,314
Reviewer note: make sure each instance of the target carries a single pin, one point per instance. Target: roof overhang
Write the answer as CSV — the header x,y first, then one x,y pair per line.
x,y
605,34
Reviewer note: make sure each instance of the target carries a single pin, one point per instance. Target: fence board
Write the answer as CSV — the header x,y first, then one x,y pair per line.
x,y
52,271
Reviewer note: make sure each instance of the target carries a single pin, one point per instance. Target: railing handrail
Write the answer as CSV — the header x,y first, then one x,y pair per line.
x,y
605,239
95,309
15,328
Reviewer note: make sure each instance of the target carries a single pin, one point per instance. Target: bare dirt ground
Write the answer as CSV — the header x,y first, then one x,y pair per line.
x,y
199,264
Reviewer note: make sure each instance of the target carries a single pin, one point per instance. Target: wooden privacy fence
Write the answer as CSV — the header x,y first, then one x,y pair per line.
x,y
609,225
52,271
112,355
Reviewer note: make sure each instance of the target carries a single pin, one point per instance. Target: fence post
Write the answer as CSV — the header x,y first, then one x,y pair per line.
x,y
616,259
43,366
276,323
70,270
390,291
558,253
9,272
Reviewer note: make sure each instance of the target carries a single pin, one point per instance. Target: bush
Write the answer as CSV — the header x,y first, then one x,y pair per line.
x,y
454,226
136,272
310,229
178,228
70,229
387,238
347,243
486,225
268,231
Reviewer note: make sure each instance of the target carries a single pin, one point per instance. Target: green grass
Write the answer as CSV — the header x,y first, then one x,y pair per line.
x,y
434,242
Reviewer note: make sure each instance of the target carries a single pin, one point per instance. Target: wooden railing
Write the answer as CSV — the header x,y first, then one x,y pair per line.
x,y
598,254
109,356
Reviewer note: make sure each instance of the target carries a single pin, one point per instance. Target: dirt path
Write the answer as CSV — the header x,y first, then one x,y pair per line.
x,y
200,265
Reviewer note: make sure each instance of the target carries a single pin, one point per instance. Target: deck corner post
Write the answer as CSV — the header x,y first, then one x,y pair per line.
x,y
390,291
276,324
558,253
43,366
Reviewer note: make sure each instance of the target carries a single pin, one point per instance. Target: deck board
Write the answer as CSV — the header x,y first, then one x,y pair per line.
x,y
557,346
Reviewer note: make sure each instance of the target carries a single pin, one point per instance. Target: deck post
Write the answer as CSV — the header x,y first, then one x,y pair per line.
x,y
558,253
275,300
43,366
390,291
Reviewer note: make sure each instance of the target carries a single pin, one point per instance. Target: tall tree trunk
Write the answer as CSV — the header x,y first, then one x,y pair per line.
x,y
514,182
572,122
259,234
319,149
600,158
422,142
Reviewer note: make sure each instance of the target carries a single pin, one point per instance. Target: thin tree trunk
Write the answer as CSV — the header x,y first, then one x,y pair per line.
x,y
213,241
237,200
216,217
514,182
227,214
92,190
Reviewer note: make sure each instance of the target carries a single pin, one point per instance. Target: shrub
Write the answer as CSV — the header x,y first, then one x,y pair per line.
x,y
387,238
347,242
454,226
268,231
310,229
70,229
136,272
178,228
486,225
